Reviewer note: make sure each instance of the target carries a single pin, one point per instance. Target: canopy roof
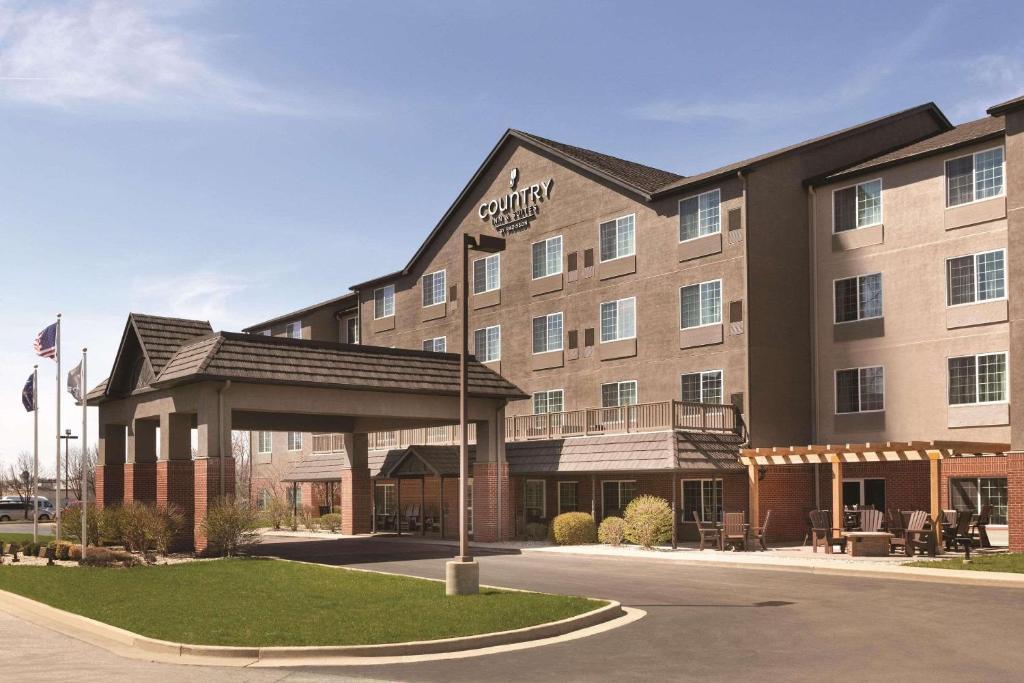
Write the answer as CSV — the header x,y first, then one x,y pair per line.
x,y
887,451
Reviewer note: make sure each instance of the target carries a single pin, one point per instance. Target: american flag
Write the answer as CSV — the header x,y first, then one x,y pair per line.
x,y
46,342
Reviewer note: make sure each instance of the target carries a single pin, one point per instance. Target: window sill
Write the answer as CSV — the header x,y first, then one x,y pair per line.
x,y
546,284
704,335
983,313
616,267
433,312
486,299
976,212
699,246
621,348
868,328
979,415
383,324
858,238
547,360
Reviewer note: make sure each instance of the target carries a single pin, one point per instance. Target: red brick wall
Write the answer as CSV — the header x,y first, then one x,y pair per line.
x,y
109,485
953,468
355,501
140,482
485,503
175,485
1015,495
788,492
206,485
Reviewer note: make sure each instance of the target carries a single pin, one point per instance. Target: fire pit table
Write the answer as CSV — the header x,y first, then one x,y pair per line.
x,y
869,543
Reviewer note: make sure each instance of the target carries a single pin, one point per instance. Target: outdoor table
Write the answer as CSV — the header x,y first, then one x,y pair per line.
x,y
869,543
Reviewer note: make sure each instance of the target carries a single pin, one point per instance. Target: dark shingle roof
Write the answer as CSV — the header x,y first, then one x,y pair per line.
x,y
1009,105
964,134
162,337
318,468
277,360
347,300
645,178
708,452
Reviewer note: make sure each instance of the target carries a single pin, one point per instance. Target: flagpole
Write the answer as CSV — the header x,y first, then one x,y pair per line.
x,y
85,463
57,487
35,454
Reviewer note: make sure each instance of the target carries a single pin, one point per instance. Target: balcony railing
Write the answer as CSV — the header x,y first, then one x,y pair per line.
x,y
643,417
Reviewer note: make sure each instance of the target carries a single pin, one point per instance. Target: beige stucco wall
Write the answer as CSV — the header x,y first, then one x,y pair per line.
x,y
913,341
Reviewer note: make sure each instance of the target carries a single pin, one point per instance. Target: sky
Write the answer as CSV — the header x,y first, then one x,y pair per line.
x,y
231,161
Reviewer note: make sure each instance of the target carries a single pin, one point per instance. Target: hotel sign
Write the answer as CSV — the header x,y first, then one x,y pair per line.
x,y
514,211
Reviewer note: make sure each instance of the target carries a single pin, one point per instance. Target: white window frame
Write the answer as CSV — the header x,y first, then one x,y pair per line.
x,y
600,243
974,179
977,379
486,260
700,302
559,488
682,496
293,447
881,205
384,289
721,374
476,351
259,442
561,256
617,302
547,393
444,287
543,495
619,483
343,335
561,338
859,318
620,383
293,330
433,341
860,395
698,196
975,255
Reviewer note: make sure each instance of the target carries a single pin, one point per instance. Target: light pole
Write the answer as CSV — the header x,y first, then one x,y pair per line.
x,y
462,575
67,439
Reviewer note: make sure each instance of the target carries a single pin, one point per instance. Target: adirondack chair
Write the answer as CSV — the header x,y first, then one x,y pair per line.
x,y
823,533
759,533
960,533
412,519
708,532
871,520
978,529
894,523
915,537
735,530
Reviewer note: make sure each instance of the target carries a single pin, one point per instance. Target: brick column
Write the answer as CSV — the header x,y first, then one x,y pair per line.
x,y
1015,499
140,469
207,491
110,467
485,503
175,486
355,487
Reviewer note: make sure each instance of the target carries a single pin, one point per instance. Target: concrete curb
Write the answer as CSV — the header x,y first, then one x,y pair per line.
x,y
129,644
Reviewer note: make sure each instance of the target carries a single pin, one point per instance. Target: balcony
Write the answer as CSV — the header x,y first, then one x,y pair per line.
x,y
643,417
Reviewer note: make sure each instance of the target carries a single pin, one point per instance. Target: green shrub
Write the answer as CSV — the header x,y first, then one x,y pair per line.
x,y
71,523
331,522
111,522
229,527
535,531
61,549
648,521
612,531
278,512
573,528
310,520
145,527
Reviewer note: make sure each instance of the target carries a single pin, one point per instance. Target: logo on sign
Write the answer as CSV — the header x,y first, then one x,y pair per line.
x,y
514,211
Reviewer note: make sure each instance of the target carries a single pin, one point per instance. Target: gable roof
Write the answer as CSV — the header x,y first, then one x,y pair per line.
x,y
964,134
154,339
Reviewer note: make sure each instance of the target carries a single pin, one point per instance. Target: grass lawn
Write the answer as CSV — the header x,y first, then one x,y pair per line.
x,y
269,602
12,537
1003,562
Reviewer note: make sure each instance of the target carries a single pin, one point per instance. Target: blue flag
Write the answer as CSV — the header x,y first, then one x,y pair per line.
x,y
28,394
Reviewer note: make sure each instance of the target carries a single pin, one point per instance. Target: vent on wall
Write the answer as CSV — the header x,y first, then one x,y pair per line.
x,y
735,222
573,266
588,342
588,263
574,344
736,317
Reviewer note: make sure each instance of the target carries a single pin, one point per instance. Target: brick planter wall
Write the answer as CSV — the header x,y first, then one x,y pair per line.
x,y
175,485
109,485
140,482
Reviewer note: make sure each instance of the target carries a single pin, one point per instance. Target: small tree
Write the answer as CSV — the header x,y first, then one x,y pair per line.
x,y
573,528
612,531
230,527
648,521
278,511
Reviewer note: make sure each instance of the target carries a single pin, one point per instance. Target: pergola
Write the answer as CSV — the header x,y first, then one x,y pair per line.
x,y
837,455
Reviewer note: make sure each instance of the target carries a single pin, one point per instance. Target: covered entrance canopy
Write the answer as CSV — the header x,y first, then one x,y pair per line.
x,y
838,455
175,382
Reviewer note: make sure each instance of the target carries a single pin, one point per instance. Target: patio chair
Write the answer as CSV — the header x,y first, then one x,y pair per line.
x,y
823,533
759,533
413,517
708,532
735,530
959,533
979,534
915,536
894,523
871,520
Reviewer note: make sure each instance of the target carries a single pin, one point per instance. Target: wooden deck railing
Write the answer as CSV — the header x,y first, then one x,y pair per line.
x,y
643,417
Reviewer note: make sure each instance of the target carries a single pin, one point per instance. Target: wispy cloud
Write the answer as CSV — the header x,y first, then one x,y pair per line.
x,y
123,54
989,79
774,107
203,295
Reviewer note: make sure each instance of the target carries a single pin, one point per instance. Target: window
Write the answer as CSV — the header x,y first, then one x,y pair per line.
x,y
547,333
568,496
263,499
350,329
703,497
384,500
263,442
437,344
615,496
547,257
977,379
974,177
857,207
383,302
618,238
700,215
618,394
433,288
295,441
858,298
700,304
487,274
294,496
976,277
533,500
488,344
703,387
618,320
974,493
550,401
293,330
860,390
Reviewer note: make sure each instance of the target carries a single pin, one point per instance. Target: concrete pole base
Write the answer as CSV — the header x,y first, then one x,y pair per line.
x,y
462,577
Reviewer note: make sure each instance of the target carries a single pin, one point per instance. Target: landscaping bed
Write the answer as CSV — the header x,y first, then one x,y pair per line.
x,y
1002,562
252,602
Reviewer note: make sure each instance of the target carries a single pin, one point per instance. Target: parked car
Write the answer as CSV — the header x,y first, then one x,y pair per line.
x,y
18,507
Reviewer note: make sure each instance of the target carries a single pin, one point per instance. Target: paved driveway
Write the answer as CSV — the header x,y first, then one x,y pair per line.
x,y
721,624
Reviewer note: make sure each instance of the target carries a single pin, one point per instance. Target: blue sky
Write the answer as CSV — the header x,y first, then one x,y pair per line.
x,y
235,160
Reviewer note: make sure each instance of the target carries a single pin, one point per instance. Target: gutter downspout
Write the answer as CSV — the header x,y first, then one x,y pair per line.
x,y
812,247
225,438
746,303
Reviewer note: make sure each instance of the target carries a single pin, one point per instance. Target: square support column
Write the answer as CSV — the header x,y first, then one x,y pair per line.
x,y
110,468
754,503
175,475
493,517
355,487
837,492
207,480
1015,500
